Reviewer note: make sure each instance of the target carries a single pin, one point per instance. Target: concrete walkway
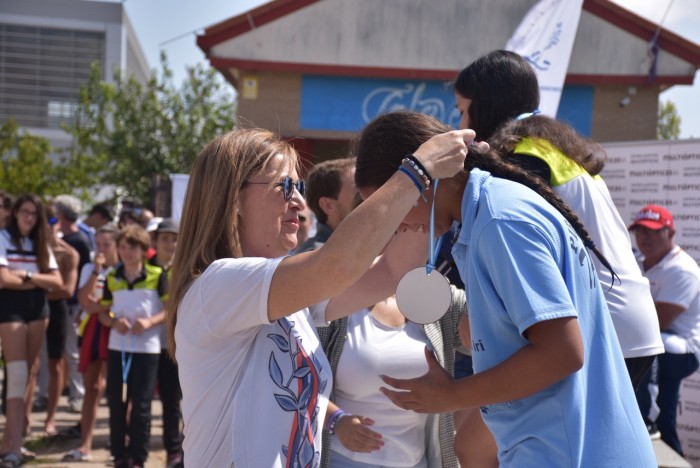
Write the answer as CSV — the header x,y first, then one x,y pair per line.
x,y
50,450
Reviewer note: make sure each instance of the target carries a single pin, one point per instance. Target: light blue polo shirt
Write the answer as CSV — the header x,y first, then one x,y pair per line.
x,y
522,263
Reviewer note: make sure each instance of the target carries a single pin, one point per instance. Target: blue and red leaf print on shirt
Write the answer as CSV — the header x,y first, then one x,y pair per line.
x,y
300,395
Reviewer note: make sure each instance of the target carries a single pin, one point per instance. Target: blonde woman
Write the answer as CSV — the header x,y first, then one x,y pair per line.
x,y
254,378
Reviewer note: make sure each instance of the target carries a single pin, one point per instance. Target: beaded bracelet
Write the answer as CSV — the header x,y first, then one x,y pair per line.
x,y
419,166
334,419
425,180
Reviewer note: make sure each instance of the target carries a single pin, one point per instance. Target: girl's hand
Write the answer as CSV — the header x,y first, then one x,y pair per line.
x,y
141,325
432,392
122,325
353,432
99,262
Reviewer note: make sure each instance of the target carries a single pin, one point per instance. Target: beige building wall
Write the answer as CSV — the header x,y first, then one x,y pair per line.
x,y
272,101
635,121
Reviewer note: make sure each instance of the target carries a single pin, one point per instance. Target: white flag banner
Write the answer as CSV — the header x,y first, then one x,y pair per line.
x,y
545,39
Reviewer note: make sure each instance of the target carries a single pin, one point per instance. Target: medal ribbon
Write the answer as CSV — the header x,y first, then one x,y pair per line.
x,y
434,248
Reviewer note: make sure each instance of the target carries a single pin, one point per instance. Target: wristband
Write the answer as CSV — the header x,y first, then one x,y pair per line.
x,y
420,181
419,166
334,418
413,178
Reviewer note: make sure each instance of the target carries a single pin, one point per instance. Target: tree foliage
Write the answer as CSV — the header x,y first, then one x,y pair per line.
x,y
669,122
125,133
25,165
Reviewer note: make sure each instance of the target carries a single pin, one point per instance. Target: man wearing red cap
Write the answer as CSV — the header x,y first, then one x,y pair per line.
x,y
674,278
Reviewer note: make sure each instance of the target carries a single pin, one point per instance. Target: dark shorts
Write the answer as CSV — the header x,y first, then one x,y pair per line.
x,y
56,331
23,306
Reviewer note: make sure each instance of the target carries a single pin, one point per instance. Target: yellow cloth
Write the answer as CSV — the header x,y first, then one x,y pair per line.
x,y
562,168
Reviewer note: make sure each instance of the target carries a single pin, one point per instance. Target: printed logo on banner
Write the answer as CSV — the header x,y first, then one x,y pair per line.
x,y
614,173
681,187
690,233
653,173
644,187
691,172
682,157
616,188
641,158
641,202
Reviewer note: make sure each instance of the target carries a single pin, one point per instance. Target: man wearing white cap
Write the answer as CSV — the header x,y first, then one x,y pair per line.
x,y
674,278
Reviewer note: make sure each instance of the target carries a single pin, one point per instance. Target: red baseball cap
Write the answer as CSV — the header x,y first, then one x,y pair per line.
x,y
654,217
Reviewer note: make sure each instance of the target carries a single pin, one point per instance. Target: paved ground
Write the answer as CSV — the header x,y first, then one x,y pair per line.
x,y
50,450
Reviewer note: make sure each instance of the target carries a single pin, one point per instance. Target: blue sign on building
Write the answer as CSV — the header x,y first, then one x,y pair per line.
x,y
348,103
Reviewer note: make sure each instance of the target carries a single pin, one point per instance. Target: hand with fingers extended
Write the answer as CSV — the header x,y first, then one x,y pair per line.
x,y
433,392
354,433
443,155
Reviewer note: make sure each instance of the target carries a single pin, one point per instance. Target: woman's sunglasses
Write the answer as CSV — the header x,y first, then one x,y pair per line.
x,y
288,185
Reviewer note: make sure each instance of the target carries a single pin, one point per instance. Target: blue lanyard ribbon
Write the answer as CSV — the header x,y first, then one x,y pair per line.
x,y
126,362
433,247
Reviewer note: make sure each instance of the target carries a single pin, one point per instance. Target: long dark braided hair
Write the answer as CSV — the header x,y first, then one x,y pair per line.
x,y
388,138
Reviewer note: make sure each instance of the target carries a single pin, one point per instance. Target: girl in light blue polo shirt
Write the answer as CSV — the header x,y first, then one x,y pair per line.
x,y
551,381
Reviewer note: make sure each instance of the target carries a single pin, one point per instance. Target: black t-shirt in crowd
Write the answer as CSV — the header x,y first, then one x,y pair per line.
x,y
81,243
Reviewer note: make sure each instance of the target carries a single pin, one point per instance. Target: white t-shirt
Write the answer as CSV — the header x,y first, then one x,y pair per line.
x,y
372,348
676,280
85,273
254,392
14,259
629,301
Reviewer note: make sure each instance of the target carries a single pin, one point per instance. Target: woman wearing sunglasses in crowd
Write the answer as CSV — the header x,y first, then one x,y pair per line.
x,y
550,377
255,381
27,269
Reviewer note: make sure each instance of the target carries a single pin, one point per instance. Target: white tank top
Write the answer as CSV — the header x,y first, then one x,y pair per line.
x,y
371,349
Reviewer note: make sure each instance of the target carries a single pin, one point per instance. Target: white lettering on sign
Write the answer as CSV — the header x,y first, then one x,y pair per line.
x,y
407,97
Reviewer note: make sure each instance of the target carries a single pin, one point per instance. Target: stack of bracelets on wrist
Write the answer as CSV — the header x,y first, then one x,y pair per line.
x,y
334,418
416,172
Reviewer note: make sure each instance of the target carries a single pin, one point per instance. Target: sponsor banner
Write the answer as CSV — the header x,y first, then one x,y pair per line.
x,y
688,422
665,173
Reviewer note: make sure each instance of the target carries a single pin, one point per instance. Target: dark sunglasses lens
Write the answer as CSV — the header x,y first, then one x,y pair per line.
x,y
52,221
288,188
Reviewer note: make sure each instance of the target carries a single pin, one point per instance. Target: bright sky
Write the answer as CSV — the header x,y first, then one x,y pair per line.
x,y
185,17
